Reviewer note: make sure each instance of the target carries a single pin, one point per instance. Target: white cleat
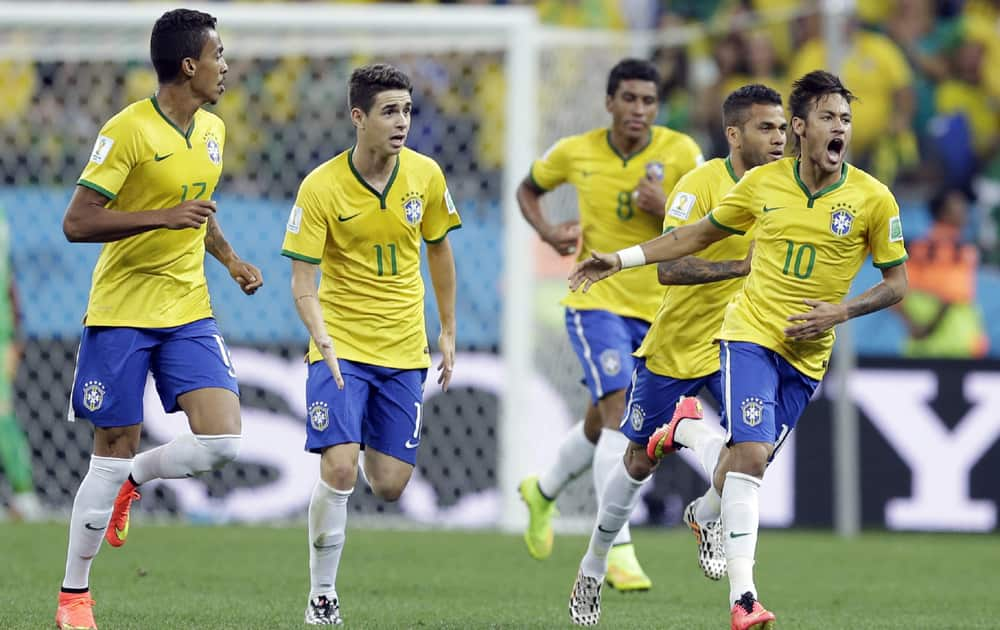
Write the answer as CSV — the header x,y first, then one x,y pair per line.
x,y
585,600
323,611
711,552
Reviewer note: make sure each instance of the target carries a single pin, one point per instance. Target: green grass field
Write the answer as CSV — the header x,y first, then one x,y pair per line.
x,y
248,577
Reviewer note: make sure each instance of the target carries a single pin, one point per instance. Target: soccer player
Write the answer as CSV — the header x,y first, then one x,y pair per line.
x,y
360,217
678,357
147,194
817,218
622,175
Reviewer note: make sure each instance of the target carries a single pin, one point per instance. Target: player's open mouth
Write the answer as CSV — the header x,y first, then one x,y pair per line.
x,y
777,154
398,139
636,125
835,149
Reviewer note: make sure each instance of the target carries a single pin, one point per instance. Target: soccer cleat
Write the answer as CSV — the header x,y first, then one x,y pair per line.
x,y
748,614
585,600
75,612
538,536
661,443
624,572
117,531
711,552
323,611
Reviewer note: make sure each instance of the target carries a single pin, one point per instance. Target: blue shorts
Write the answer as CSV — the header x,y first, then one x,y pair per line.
x,y
652,398
379,407
763,394
604,343
113,364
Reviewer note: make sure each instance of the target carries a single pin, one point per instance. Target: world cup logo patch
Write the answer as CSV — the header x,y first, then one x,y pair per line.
x,y
319,415
93,395
753,411
841,222
637,416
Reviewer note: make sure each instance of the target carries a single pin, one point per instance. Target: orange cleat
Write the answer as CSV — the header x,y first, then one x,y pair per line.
x,y
661,443
75,612
748,614
117,531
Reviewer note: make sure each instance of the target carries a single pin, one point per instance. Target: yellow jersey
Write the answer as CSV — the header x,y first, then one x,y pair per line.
x,y
604,181
680,343
367,245
807,246
143,161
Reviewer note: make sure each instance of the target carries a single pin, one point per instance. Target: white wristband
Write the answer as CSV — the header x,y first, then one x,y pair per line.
x,y
632,257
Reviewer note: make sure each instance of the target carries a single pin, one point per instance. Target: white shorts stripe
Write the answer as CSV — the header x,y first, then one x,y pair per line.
x,y
587,356
728,394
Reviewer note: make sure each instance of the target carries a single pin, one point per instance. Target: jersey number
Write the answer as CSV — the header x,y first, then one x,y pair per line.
x,y
625,208
199,187
380,260
805,258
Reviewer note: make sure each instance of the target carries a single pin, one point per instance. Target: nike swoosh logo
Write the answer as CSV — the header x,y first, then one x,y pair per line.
x,y
586,173
766,209
735,535
159,158
411,444
606,531
333,546
342,218
94,529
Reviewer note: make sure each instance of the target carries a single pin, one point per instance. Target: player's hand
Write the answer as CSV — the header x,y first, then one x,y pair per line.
x,y
649,196
446,343
189,214
325,346
594,269
812,325
748,261
563,237
247,276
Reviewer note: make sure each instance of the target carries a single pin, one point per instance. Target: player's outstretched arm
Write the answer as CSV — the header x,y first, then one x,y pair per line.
x,y
304,292
694,270
246,275
441,263
674,244
823,315
88,221
561,237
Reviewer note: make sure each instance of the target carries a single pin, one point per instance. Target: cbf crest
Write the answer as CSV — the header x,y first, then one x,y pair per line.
x,y
753,411
319,415
214,149
841,221
93,395
413,208
654,171
637,417
611,362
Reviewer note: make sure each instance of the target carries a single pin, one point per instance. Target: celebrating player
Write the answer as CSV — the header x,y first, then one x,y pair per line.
x,y
817,218
147,193
678,357
622,176
360,217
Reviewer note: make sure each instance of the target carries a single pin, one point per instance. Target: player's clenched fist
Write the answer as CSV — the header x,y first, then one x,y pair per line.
x,y
563,237
594,269
189,214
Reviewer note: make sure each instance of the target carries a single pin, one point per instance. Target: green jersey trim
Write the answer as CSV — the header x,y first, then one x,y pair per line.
x,y
91,185
301,257
385,191
716,223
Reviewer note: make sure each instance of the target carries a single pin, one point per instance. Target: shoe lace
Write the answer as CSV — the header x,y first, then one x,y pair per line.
x,y
746,601
322,605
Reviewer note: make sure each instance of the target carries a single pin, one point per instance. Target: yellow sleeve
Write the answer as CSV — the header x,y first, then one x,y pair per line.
x,y
552,169
114,156
885,234
692,154
689,201
441,216
305,233
736,212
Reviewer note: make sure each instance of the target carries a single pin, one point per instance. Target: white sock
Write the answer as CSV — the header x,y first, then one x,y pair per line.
x,y
327,525
95,499
620,496
185,456
706,443
740,519
608,456
575,454
710,506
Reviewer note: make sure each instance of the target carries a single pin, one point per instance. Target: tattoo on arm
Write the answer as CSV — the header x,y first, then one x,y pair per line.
x,y
874,299
694,270
216,244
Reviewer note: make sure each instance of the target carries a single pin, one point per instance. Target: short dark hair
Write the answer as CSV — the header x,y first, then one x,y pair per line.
x,y
178,34
367,81
809,88
736,108
630,70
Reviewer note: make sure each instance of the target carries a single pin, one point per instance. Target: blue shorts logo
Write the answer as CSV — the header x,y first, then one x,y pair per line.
x,y
319,415
93,395
753,411
637,416
611,362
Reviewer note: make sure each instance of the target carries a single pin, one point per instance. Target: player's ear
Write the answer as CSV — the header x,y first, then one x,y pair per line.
x,y
188,67
358,117
607,102
734,136
798,126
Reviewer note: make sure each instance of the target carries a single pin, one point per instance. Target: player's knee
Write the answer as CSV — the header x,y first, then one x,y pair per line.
x,y
637,463
388,490
749,458
339,474
219,449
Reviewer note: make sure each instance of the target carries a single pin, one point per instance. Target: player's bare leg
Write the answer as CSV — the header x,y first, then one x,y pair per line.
x,y
386,475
